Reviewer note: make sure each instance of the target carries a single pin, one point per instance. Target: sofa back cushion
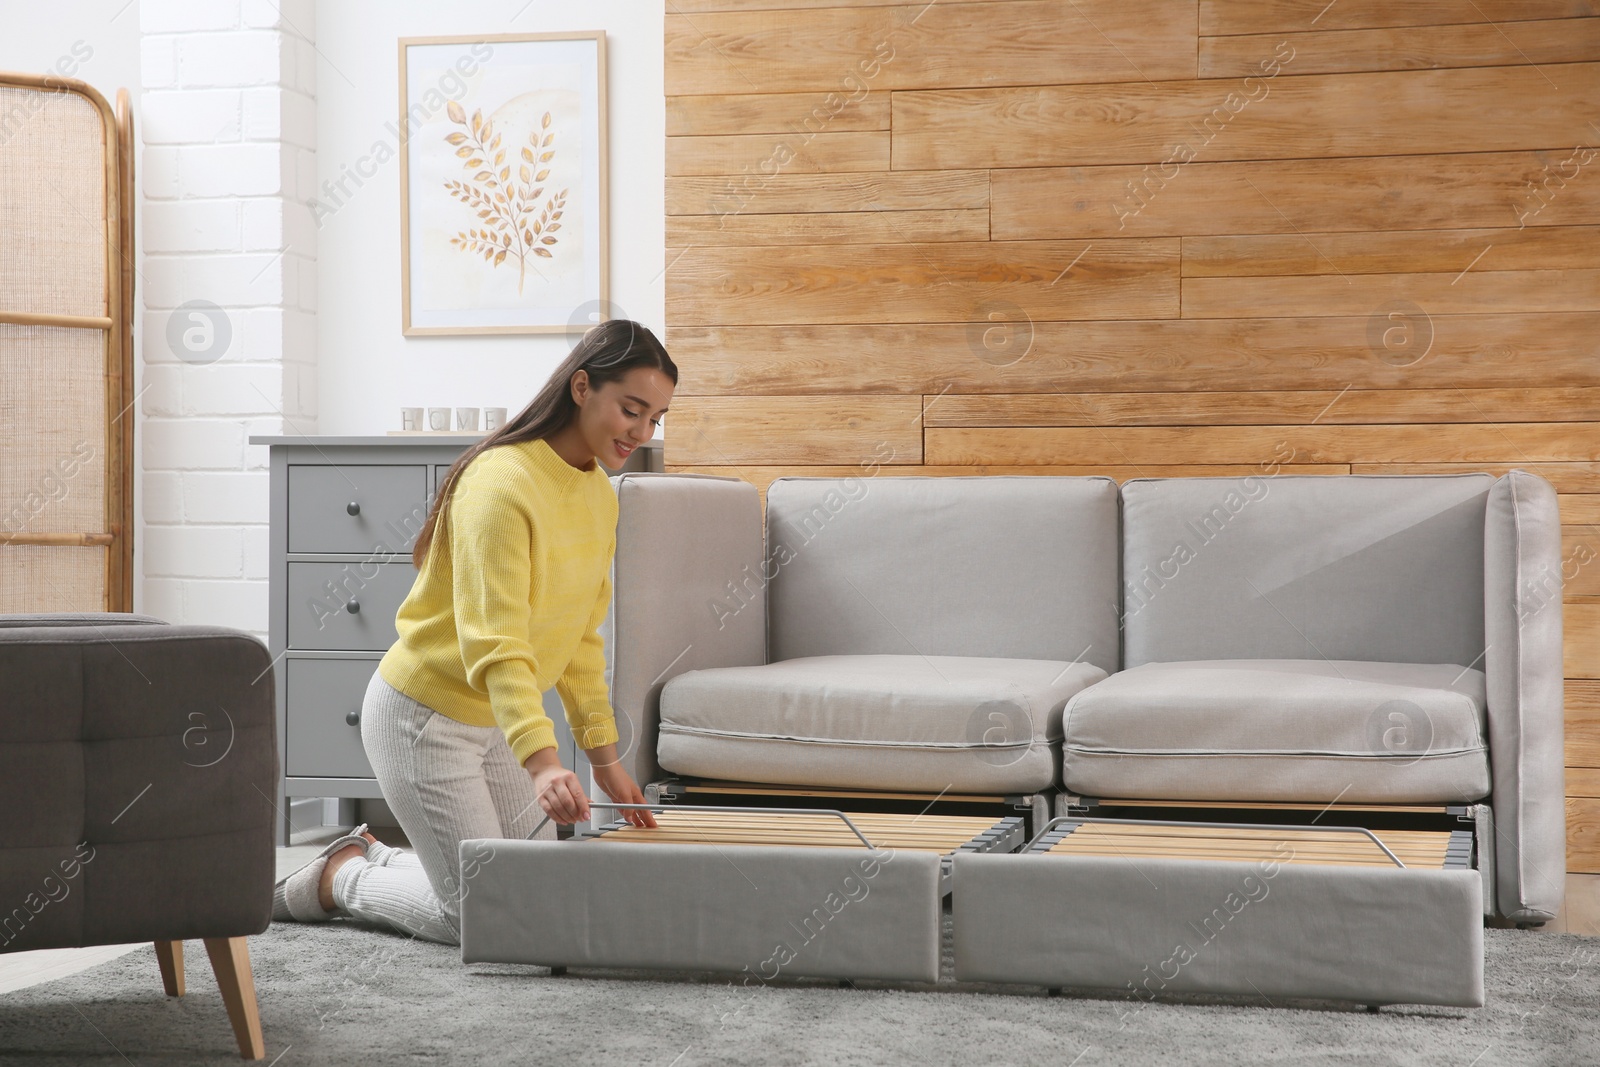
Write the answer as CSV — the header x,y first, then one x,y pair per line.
x,y
1013,566
1348,567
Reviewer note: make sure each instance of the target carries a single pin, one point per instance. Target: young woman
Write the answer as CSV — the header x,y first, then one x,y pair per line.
x,y
514,579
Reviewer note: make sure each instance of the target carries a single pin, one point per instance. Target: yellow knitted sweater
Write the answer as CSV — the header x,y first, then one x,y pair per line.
x,y
510,598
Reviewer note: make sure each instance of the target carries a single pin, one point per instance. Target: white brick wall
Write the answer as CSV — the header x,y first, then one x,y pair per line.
x,y
194,226
248,57
183,16
228,128
176,116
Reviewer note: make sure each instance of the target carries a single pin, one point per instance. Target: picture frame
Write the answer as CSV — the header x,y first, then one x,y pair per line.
x,y
503,183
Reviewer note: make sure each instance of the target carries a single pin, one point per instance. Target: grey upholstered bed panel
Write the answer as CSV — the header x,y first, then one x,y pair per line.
x,y
1372,935
1006,566
757,910
1353,567
1523,665
687,592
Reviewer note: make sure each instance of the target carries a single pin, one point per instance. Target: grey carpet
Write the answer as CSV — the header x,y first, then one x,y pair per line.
x,y
341,994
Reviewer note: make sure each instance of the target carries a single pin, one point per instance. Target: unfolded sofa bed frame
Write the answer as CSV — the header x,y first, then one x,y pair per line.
x,y
1141,907
1382,652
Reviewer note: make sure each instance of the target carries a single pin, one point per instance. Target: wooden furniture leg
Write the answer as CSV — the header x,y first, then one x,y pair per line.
x,y
230,960
169,954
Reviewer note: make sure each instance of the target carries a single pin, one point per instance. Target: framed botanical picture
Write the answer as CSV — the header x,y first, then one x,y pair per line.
x,y
502,182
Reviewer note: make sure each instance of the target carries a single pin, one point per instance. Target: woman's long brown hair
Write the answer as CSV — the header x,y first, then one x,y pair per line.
x,y
607,353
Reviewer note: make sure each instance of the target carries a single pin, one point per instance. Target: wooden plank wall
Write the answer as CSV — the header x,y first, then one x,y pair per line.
x,y
1145,238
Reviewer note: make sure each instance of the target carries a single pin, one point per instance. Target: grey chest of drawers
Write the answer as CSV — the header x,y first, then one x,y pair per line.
x,y
345,514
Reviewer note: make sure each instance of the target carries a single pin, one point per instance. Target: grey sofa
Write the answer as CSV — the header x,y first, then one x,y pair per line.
x,y
1306,639
137,765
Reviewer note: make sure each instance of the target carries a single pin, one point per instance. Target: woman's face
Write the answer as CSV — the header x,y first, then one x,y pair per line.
x,y
618,416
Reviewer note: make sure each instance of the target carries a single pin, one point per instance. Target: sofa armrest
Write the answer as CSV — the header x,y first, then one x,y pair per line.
x,y
688,592
1523,665
138,767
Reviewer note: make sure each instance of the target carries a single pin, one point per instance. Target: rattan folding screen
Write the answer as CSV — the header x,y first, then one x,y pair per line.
x,y
66,347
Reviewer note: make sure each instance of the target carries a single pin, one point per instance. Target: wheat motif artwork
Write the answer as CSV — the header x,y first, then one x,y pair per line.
x,y
504,205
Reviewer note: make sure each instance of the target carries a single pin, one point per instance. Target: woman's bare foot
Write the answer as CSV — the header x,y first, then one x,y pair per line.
x,y
334,862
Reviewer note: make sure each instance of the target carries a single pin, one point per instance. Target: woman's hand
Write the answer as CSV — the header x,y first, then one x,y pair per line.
x,y
618,784
558,789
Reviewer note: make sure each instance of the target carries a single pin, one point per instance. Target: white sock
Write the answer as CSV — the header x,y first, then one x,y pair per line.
x,y
380,853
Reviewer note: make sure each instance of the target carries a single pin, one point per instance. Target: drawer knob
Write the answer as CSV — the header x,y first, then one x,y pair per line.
x,y
353,718
352,508
353,607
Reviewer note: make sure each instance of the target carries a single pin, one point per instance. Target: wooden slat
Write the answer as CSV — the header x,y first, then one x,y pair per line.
x,y
1580,509
1345,845
1583,835
826,227
1296,16
1201,842
892,830
1267,408
1566,477
1479,109
763,476
1480,351
786,840
812,837
1414,848
796,429
1583,782
1560,40
694,817
1347,859
861,48
816,831
1218,852
787,193
1581,625
900,822
1393,252
759,112
1350,294
1257,444
652,837
929,831
954,282
1418,192
1580,561
1293,835
1583,727
772,153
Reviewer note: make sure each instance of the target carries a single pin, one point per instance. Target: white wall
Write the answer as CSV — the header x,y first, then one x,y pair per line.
x,y
33,37
366,369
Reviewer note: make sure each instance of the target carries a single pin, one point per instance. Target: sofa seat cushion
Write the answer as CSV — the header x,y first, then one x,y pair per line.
x,y
960,723
1288,730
